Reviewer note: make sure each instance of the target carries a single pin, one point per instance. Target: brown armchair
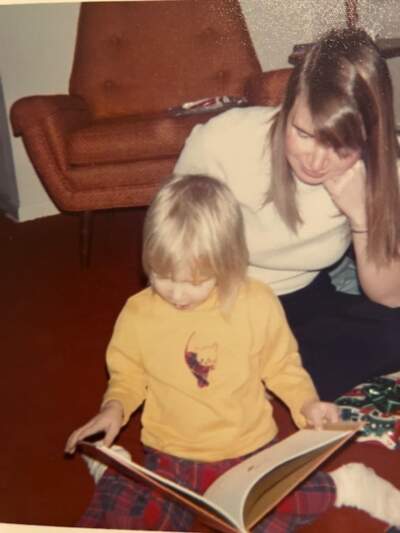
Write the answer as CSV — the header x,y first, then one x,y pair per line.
x,y
110,142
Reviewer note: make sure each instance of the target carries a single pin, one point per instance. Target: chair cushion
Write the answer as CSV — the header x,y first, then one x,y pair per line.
x,y
136,57
136,138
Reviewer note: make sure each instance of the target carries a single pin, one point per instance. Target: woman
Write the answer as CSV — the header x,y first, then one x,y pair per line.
x,y
315,177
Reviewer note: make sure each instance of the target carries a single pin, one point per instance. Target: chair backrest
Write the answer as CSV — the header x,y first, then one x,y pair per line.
x,y
145,56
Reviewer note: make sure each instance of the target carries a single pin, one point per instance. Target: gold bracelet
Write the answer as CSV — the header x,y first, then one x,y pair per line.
x,y
359,230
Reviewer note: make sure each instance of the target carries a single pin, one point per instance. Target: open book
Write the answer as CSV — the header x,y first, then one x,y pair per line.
x,y
244,494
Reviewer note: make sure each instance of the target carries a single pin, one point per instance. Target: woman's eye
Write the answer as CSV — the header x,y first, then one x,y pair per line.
x,y
302,134
343,152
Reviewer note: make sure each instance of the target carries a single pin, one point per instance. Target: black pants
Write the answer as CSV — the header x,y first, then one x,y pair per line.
x,y
343,339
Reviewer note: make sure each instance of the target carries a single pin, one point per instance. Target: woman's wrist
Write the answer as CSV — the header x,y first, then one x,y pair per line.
x,y
358,230
358,223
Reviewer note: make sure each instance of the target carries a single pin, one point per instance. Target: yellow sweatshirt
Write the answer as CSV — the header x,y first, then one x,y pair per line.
x,y
202,374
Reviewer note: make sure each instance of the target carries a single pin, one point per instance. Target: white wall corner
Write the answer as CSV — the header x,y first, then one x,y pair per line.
x,y
30,211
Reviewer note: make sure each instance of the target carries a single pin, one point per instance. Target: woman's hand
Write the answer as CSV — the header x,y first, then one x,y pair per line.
x,y
109,420
348,193
318,413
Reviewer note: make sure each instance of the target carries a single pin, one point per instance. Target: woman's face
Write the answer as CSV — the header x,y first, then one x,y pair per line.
x,y
312,162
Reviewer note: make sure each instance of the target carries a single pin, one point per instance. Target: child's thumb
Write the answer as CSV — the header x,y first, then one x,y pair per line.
x,y
109,437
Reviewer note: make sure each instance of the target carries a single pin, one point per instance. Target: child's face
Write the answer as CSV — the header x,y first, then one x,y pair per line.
x,y
181,291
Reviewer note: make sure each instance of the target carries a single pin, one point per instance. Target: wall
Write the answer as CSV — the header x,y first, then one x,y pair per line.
x,y
270,23
382,19
36,50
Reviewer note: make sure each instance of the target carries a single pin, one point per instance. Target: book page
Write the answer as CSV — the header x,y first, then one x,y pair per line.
x,y
231,490
270,489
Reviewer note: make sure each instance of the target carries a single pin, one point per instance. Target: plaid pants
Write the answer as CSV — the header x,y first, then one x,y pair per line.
x,y
122,503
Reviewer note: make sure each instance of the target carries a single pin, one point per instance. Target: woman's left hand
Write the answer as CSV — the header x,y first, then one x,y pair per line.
x,y
348,193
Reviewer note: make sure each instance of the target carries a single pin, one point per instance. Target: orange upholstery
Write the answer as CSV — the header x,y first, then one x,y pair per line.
x,y
110,142
128,139
269,87
143,57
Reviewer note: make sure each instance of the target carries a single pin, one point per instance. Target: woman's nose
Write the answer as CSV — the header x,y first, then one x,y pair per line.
x,y
318,158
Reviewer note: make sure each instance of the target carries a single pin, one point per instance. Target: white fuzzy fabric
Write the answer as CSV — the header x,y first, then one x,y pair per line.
x,y
359,486
97,469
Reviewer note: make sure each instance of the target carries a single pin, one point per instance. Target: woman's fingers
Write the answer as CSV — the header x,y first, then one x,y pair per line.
x,y
348,193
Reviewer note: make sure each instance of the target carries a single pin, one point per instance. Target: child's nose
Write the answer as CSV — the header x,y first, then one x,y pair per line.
x,y
177,293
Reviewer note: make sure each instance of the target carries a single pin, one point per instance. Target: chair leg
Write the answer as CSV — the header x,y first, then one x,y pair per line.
x,y
86,233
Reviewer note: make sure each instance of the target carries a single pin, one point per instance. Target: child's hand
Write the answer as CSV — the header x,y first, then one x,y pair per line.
x,y
109,420
318,413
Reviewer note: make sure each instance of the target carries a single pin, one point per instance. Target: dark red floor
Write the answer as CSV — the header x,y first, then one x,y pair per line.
x,y
56,320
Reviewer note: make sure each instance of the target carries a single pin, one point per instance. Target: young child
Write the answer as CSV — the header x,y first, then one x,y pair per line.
x,y
198,347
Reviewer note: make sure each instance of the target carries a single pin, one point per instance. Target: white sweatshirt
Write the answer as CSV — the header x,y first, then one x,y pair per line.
x,y
234,148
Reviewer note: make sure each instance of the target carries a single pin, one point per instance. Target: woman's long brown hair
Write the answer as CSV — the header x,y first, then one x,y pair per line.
x,y
347,86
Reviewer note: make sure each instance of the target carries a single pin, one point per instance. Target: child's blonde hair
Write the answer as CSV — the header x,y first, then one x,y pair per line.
x,y
195,223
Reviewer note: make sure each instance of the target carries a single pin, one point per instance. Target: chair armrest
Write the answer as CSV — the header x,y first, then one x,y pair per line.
x,y
268,88
31,111
45,122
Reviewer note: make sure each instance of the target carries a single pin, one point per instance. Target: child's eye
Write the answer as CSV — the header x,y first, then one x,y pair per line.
x,y
159,277
205,282
196,283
